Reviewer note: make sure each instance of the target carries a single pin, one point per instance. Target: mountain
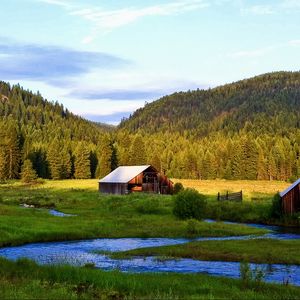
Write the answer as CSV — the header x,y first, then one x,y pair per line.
x,y
249,129
46,133
245,130
268,103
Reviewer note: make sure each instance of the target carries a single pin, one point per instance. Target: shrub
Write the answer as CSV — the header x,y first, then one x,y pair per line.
x,y
189,204
178,187
192,227
276,208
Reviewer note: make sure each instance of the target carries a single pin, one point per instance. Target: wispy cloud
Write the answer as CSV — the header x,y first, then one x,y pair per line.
x,y
252,53
294,43
279,7
258,10
255,53
62,3
117,94
51,63
105,20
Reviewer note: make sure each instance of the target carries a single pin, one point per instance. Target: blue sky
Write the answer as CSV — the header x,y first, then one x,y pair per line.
x,y
104,59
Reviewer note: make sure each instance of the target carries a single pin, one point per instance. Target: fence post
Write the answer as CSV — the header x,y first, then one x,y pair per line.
x,y
241,195
227,195
218,196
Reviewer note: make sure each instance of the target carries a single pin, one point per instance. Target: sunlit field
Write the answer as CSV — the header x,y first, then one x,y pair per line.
x,y
252,190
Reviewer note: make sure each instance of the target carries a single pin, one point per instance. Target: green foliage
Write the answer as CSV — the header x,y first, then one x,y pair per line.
x,y
28,174
82,161
189,204
192,227
251,278
276,208
178,187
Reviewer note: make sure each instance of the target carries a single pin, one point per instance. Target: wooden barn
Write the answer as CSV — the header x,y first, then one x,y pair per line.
x,y
290,198
128,179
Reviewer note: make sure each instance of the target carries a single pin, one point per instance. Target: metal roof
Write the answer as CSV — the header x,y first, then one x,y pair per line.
x,y
289,188
124,174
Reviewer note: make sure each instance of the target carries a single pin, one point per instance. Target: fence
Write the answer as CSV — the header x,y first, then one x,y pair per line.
x,y
238,197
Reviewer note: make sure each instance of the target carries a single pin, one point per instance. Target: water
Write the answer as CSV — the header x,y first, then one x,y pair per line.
x,y
57,213
80,253
52,212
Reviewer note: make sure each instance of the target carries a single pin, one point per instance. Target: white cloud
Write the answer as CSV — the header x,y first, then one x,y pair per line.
x,y
252,53
102,107
62,3
104,21
258,10
294,43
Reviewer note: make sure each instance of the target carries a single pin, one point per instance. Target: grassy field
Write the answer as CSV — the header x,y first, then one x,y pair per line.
x,y
252,190
256,251
25,280
137,215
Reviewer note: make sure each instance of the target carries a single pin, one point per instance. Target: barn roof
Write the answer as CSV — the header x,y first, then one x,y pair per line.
x,y
289,188
124,174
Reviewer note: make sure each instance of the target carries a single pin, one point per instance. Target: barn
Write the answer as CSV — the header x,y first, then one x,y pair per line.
x,y
128,179
290,198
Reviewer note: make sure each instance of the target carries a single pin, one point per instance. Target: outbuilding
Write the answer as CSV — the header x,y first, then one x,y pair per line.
x,y
290,198
128,179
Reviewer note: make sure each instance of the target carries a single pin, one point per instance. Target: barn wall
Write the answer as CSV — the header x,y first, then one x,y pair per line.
x,y
113,188
291,201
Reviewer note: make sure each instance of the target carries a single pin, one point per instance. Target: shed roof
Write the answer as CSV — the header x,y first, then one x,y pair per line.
x,y
289,188
124,174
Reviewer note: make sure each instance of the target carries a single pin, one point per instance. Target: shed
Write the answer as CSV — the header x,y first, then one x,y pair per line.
x,y
128,179
290,198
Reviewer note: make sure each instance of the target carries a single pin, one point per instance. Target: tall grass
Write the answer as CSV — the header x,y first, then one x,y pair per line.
x,y
24,279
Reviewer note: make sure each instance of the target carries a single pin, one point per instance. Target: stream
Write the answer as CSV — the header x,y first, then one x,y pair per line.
x,y
79,253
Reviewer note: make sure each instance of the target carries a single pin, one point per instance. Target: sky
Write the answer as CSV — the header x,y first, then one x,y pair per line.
x,y
105,59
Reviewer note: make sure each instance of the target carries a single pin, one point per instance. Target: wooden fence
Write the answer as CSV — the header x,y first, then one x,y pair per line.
x,y
238,197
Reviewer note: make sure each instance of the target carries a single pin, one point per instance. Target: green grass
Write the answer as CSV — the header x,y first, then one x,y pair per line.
x,y
256,251
26,280
136,215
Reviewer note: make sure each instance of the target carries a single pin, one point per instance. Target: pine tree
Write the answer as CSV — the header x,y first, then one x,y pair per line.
x,y
137,151
105,155
28,174
55,160
82,161
13,153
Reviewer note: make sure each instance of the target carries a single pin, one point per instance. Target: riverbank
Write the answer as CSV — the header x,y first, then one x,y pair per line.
x,y
24,279
267,251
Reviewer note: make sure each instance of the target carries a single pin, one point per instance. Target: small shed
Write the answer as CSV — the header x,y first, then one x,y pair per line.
x,y
128,179
290,198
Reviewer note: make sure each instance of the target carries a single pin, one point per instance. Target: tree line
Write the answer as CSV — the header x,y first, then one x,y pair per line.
x,y
43,136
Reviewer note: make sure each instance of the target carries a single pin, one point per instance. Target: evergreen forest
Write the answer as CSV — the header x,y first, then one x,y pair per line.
x,y
245,130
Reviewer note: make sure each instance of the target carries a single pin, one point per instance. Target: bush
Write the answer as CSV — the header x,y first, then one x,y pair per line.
x,y
276,208
178,187
192,227
189,204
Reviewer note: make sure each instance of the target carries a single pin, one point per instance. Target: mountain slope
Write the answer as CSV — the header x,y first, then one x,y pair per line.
x,y
46,133
268,103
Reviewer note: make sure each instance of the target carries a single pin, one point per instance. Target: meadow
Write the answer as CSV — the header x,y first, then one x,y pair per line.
x,y
106,216
136,215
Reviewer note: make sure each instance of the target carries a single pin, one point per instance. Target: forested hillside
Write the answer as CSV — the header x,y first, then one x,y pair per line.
x,y
59,144
245,130
268,103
